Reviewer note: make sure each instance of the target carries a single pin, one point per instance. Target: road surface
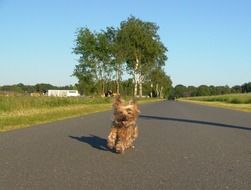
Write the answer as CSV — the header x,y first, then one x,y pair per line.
x,y
180,146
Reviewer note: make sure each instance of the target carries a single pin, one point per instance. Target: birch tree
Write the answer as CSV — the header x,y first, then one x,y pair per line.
x,y
142,49
94,66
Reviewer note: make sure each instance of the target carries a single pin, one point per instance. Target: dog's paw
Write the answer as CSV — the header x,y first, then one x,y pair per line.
x,y
120,149
110,145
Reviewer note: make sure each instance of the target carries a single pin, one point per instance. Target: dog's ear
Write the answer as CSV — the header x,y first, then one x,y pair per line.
x,y
117,97
117,101
133,102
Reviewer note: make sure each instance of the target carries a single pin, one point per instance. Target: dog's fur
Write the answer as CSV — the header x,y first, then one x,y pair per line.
x,y
124,129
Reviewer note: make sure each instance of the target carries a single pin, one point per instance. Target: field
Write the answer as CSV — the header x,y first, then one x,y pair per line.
x,y
240,102
24,111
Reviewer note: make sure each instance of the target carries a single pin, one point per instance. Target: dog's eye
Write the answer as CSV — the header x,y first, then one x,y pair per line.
x,y
128,111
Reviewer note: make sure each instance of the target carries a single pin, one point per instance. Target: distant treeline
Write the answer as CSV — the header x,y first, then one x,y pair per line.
x,y
204,90
126,88
26,89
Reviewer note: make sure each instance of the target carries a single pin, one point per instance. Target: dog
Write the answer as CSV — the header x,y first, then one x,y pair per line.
x,y
124,129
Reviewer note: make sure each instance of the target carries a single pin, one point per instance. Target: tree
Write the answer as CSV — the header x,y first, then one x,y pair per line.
x,y
192,91
180,91
236,89
159,83
127,87
105,59
43,87
95,60
104,54
141,48
246,87
203,90
114,54
86,69
100,59
222,90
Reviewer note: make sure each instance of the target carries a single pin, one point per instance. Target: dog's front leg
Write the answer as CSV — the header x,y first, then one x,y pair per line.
x,y
121,143
120,147
111,140
134,135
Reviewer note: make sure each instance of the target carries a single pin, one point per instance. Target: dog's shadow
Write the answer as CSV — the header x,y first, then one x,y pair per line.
x,y
94,141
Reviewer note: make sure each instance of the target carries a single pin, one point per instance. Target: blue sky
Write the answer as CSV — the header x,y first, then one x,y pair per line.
x,y
209,41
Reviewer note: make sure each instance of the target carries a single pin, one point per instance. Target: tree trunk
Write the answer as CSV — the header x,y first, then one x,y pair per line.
x,y
157,90
161,92
140,89
136,80
140,85
102,87
135,85
117,79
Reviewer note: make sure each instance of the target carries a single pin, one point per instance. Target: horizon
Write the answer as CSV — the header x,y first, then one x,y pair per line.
x,y
58,86
208,42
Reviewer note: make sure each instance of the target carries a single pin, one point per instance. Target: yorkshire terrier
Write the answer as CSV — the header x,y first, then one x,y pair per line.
x,y
124,130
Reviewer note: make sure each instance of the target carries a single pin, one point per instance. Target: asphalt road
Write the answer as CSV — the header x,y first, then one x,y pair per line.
x,y
180,146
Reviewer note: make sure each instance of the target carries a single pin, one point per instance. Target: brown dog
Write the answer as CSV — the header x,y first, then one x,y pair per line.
x,y
124,129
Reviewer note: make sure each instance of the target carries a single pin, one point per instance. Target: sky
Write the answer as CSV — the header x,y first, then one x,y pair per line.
x,y
208,41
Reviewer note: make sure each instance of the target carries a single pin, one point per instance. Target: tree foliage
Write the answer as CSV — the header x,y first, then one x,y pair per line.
x,y
204,90
157,83
26,89
141,48
135,45
246,87
94,66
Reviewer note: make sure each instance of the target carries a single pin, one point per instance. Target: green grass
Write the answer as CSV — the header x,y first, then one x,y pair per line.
x,y
14,103
228,98
241,102
24,111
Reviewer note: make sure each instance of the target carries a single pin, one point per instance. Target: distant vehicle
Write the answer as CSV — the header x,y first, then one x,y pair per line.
x,y
63,93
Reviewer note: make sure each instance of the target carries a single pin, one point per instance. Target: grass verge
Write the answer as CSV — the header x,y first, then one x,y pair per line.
x,y
21,112
244,98
233,106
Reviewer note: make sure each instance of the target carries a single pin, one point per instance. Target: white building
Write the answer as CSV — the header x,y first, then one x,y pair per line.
x,y
63,93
